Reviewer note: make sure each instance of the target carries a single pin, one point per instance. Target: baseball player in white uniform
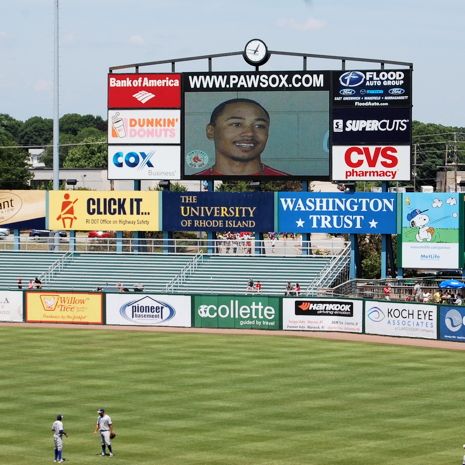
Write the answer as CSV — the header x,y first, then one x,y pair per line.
x,y
105,428
58,433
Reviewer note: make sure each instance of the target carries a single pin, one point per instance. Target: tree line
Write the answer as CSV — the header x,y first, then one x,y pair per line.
x,y
83,139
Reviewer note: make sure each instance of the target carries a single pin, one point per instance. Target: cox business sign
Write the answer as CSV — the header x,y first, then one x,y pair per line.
x,y
452,324
149,162
323,315
402,320
248,312
148,310
355,213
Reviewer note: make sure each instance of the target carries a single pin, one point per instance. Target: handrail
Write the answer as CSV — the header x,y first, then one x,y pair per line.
x,y
338,263
56,266
185,272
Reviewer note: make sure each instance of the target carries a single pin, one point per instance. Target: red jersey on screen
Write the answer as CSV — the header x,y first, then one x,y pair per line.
x,y
265,171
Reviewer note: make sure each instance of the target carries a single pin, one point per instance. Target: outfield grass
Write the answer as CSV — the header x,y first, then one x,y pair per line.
x,y
196,399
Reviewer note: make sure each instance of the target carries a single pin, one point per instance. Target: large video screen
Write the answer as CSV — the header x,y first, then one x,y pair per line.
x,y
250,125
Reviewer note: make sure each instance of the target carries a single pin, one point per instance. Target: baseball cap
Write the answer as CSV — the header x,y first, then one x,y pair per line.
x,y
100,410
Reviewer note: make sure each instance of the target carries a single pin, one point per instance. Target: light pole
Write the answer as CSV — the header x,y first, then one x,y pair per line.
x,y
56,101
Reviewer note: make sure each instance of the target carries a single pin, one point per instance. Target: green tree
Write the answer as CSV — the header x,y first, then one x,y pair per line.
x,y
13,164
36,131
10,125
72,123
91,154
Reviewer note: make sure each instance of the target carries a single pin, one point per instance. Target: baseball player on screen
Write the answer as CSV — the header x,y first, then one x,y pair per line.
x,y
105,427
58,433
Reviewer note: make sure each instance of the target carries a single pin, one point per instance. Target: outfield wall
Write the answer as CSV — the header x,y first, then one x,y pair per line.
x,y
376,317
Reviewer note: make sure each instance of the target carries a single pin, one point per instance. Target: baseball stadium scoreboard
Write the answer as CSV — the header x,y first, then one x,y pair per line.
x,y
345,125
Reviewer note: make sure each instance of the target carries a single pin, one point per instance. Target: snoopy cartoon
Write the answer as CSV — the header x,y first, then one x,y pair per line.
x,y
418,220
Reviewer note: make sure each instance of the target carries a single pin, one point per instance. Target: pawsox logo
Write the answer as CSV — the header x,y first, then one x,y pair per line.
x,y
147,309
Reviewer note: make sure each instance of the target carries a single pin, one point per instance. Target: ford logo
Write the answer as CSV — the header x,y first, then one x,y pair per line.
x,y
352,78
347,91
397,91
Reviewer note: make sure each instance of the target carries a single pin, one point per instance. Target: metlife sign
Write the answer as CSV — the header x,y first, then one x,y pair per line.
x,y
401,319
372,88
344,213
378,126
150,162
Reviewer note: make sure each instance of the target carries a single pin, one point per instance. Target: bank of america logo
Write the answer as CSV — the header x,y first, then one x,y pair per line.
x,y
143,96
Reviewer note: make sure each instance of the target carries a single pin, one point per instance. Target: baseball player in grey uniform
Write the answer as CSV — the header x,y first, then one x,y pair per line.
x,y
58,433
105,428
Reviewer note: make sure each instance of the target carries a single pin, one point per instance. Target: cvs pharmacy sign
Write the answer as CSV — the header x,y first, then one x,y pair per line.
x,y
371,162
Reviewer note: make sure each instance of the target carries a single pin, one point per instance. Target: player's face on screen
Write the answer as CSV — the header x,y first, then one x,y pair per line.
x,y
240,132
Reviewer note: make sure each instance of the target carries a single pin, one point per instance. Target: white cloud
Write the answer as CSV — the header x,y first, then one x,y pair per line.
x,y
136,40
42,85
310,24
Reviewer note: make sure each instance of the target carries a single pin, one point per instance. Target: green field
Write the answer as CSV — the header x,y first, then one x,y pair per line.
x,y
206,399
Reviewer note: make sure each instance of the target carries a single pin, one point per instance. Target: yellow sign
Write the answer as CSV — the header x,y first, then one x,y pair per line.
x,y
107,210
21,207
64,307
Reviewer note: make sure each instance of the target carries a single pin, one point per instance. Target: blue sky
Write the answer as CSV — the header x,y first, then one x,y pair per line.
x,y
97,34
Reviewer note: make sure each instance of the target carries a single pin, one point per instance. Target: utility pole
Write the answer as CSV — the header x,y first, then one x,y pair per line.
x,y
455,162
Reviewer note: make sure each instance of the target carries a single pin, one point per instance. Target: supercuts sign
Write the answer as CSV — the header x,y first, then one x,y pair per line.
x,y
138,90
371,163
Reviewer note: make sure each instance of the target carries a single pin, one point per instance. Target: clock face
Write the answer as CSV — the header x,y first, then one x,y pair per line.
x,y
256,52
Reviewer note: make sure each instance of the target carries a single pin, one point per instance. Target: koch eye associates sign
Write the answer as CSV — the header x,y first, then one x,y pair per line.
x,y
401,319
348,213
316,314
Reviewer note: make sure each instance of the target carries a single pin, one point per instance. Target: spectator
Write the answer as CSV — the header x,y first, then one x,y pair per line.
x,y
437,297
458,300
20,283
31,284
258,287
37,283
387,291
297,289
426,296
250,286
138,287
289,290
417,292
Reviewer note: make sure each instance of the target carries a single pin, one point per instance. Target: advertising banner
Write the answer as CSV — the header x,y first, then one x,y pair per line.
x,y
152,162
247,312
256,125
315,314
370,162
22,209
452,323
348,213
64,307
372,88
144,126
148,310
218,211
108,210
390,126
401,319
140,90
430,231
11,306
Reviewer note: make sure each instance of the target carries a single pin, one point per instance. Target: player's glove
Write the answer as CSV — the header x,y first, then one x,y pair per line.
x,y
112,435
